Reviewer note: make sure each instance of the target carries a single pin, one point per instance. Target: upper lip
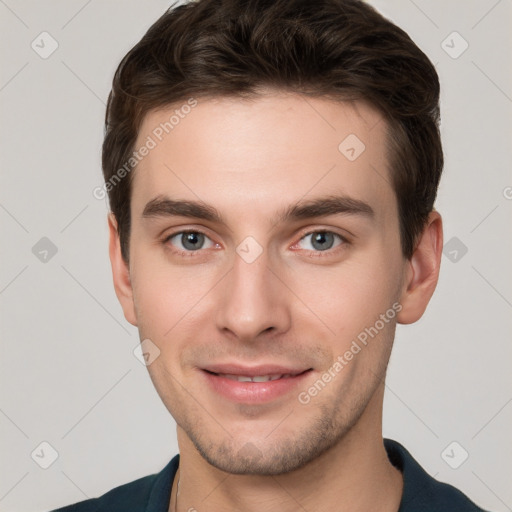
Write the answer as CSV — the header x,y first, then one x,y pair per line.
x,y
253,371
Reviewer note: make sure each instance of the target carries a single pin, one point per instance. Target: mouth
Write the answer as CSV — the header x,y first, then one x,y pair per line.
x,y
253,385
256,378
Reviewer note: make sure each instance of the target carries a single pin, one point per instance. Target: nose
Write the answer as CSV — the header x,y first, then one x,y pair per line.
x,y
253,301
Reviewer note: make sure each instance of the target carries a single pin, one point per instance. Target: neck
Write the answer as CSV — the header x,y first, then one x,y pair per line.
x,y
354,475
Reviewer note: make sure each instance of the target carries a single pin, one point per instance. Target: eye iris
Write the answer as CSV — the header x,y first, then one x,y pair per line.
x,y
190,240
320,238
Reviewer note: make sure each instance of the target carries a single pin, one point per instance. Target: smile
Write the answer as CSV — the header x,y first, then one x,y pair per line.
x,y
254,386
256,378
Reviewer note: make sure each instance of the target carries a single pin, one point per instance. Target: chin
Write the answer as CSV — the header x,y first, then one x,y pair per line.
x,y
270,457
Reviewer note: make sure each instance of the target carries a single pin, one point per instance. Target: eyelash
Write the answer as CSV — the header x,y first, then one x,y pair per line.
x,y
315,254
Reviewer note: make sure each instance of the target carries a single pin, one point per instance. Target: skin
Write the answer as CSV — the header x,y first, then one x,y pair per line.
x,y
295,304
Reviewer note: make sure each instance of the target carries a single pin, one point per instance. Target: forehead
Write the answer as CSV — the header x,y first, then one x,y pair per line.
x,y
254,157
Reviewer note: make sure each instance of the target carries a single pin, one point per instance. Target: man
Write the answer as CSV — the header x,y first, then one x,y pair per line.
x,y
272,169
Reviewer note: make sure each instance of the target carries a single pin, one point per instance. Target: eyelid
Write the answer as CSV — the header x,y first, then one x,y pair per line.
x,y
178,230
309,231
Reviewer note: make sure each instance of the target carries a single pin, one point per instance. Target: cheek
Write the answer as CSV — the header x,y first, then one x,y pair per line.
x,y
350,297
167,297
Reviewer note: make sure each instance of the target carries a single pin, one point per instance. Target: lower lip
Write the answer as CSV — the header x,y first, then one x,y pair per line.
x,y
253,392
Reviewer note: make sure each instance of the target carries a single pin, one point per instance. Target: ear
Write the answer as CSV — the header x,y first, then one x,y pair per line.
x,y
120,272
422,271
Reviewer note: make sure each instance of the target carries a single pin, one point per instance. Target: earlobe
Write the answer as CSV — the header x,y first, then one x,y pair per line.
x,y
120,272
422,271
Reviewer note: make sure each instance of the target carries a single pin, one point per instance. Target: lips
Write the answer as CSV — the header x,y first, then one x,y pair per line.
x,y
256,384
254,371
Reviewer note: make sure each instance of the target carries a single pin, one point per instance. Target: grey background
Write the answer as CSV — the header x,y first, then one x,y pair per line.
x,y
68,373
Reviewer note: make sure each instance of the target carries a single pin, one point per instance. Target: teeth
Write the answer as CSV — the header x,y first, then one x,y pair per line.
x,y
262,378
257,378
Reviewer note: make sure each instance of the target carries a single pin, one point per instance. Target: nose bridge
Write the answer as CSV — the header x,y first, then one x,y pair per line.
x,y
252,301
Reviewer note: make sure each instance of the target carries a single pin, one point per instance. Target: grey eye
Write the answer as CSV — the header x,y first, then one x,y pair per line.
x,y
321,240
190,241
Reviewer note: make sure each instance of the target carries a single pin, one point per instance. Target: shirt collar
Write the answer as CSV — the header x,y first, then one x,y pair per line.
x,y
418,485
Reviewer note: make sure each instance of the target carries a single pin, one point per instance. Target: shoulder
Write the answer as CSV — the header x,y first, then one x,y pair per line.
x,y
135,495
421,492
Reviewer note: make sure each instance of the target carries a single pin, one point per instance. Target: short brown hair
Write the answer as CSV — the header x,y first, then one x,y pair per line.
x,y
338,49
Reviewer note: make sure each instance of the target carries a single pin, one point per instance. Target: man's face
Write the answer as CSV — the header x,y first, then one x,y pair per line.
x,y
255,294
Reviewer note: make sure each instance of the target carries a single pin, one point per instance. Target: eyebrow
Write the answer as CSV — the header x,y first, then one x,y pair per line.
x,y
163,206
